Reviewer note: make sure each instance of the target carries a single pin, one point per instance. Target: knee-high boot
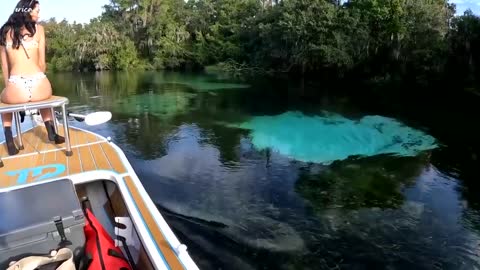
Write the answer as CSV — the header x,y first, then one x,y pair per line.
x,y
12,148
52,136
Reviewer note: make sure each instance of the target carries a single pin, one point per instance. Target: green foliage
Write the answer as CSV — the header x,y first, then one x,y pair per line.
x,y
417,40
464,44
61,44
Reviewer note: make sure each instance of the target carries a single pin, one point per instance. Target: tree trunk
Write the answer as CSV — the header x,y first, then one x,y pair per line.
x,y
144,17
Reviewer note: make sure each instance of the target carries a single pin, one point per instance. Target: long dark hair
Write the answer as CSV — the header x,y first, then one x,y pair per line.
x,y
20,18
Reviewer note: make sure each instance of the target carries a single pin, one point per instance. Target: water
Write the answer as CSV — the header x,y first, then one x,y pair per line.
x,y
271,174
331,137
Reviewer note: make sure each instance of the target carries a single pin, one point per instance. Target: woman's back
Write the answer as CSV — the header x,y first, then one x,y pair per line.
x,y
24,59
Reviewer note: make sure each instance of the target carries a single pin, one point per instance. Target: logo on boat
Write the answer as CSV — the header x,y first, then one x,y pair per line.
x,y
37,173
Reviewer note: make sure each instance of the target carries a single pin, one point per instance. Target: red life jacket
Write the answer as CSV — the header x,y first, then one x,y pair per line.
x,y
100,247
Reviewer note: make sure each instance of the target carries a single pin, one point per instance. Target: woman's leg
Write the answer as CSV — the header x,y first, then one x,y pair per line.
x,y
7,126
46,114
7,129
49,125
7,119
42,91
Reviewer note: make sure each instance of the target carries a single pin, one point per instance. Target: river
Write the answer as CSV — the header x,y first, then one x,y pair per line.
x,y
263,174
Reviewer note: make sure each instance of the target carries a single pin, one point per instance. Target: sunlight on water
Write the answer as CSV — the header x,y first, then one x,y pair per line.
x,y
324,139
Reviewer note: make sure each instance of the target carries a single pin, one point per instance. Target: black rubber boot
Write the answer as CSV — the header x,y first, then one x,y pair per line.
x,y
22,116
12,148
52,136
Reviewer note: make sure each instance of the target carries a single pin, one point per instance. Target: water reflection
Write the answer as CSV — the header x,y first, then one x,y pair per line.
x,y
163,105
199,82
361,183
217,193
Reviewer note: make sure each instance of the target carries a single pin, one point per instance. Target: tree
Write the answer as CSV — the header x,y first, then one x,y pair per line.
x,y
406,41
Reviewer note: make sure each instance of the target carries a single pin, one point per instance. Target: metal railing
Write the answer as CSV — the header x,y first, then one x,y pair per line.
x,y
51,103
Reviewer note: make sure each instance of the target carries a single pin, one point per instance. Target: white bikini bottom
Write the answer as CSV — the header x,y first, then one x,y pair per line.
x,y
27,82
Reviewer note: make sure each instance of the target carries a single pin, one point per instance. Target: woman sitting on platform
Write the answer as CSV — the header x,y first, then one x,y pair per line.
x,y
22,50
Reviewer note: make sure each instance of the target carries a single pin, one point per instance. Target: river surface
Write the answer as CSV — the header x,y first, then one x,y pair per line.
x,y
262,174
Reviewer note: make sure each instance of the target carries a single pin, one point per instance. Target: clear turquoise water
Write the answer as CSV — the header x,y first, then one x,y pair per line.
x,y
332,137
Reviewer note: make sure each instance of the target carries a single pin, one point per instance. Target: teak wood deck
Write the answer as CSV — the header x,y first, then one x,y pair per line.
x,y
90,152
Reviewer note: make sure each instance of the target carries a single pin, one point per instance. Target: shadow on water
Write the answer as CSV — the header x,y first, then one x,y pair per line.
x,y
240,206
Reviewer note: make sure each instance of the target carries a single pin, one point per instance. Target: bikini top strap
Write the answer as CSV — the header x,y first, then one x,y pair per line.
x,y
23,46
25,50
9,45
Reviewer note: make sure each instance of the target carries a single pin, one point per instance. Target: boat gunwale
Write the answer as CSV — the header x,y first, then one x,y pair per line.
x,y
152,245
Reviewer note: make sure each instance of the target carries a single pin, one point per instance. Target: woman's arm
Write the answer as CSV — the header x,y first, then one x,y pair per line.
x,y
5,69
41,48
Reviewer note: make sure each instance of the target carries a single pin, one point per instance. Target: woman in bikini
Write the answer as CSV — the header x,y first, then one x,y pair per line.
x,y
22,51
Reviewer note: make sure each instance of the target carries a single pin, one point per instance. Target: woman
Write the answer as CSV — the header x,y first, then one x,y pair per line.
x,y
22,50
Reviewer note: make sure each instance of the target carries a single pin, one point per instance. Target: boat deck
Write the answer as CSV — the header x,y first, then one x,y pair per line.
x,y
42,160
90,152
